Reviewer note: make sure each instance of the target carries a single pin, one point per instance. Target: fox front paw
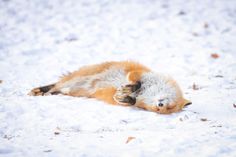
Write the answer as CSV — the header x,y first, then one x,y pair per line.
x,y
125,95
125,100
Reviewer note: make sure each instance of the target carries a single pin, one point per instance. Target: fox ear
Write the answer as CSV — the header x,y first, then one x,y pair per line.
x,y
187,102
134,76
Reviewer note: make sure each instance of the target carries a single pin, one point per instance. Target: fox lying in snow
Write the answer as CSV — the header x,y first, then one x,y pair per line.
x,y
124,83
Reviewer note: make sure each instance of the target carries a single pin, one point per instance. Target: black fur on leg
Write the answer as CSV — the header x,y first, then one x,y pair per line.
x,y
45,89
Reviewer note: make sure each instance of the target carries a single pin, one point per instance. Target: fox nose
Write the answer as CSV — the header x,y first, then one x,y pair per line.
x,y
160,104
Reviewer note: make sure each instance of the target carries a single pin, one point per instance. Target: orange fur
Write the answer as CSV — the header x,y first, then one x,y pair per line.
x,y
106,95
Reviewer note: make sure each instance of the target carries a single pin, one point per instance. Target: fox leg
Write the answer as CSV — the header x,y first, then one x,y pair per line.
x,y
43,90
105,94
126,94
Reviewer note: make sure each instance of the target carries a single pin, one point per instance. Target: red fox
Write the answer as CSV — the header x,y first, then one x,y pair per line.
x,y
124,83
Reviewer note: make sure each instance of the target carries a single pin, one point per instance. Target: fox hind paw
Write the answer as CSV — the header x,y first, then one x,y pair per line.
x,y
36,92
40,91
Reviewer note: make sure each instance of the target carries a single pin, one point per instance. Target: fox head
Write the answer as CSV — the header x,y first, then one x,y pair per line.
x,y
160,93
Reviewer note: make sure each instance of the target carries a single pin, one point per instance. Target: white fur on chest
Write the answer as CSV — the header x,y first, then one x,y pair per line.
x,y
112,77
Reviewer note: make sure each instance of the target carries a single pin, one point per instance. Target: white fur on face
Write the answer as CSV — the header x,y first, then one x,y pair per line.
x,y
155,89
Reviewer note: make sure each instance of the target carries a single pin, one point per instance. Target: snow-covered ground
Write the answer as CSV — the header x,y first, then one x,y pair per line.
x,y
192,40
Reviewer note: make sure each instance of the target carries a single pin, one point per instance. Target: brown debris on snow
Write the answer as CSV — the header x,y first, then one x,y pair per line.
x,y
204,119
129,139
206,25
57,131
214,55
219,76
195,87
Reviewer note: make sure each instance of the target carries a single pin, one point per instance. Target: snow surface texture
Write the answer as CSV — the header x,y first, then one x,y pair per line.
x,y
193,41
